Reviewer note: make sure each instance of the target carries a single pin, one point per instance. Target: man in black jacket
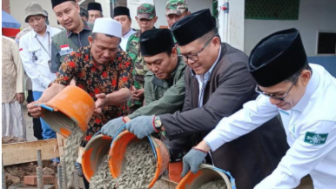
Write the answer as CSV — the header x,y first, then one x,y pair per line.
x,y
217,85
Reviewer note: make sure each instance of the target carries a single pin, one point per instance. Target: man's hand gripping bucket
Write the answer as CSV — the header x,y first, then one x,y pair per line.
x,y
71,105
206,173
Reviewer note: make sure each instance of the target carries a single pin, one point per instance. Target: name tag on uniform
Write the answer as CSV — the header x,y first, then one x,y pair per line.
x,y
65,50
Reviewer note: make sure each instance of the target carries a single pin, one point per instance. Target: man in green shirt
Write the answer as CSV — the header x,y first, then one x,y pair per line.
x,y
146,18
74,36
164,83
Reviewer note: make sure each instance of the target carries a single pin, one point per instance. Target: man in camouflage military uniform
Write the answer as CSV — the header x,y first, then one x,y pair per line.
x,y
146,18
175,10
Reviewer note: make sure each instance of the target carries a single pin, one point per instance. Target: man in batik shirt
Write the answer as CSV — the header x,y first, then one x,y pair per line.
x,y
102,70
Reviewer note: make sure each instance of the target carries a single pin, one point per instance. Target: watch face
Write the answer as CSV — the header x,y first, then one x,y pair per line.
x,y
157,123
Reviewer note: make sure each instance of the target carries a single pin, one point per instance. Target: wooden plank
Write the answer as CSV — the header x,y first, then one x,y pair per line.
x,y
60,144
24,152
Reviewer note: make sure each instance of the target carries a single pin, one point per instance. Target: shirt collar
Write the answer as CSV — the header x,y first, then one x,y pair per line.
x,y
130,32
86,27
208,73
311,88
36,34
172,75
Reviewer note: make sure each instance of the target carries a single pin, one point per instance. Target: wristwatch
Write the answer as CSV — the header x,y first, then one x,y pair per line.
x,y
157,123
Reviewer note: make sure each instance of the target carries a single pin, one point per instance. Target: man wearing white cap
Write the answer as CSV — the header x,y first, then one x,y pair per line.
x,y
102,70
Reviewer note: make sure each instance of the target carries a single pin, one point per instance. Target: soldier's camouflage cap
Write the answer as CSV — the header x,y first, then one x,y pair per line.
x,y
146,11
175,7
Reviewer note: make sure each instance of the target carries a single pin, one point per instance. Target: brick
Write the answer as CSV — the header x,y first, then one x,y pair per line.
x,y
32,180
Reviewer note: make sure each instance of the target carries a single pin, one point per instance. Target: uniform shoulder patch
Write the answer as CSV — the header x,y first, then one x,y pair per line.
x,y
315,138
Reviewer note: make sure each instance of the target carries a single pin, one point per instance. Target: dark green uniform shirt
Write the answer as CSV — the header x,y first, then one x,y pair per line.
x,y
163,96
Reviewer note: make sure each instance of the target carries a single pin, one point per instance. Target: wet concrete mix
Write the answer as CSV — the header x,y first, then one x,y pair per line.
x,y
218,184
71,152
102,179
139,166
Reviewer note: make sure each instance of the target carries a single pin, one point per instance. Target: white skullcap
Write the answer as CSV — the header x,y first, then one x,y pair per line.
x,y
107,26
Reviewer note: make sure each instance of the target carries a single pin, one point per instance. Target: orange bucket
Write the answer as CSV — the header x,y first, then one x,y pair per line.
x,y
118,150
175,170
70,105
205,174
95,150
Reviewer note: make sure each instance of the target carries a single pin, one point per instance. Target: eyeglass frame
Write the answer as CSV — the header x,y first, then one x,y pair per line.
x,y
257,89
187,57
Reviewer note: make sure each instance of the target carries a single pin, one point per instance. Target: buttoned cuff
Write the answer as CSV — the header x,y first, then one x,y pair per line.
x,y
214,140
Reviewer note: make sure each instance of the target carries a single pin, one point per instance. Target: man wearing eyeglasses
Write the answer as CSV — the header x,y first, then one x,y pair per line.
x,y
217,85
304,95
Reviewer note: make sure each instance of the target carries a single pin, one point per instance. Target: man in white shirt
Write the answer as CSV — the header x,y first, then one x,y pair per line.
x,y
35,52
122,15
304,95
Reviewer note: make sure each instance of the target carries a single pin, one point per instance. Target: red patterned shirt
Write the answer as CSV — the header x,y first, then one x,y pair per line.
x,y
112,77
